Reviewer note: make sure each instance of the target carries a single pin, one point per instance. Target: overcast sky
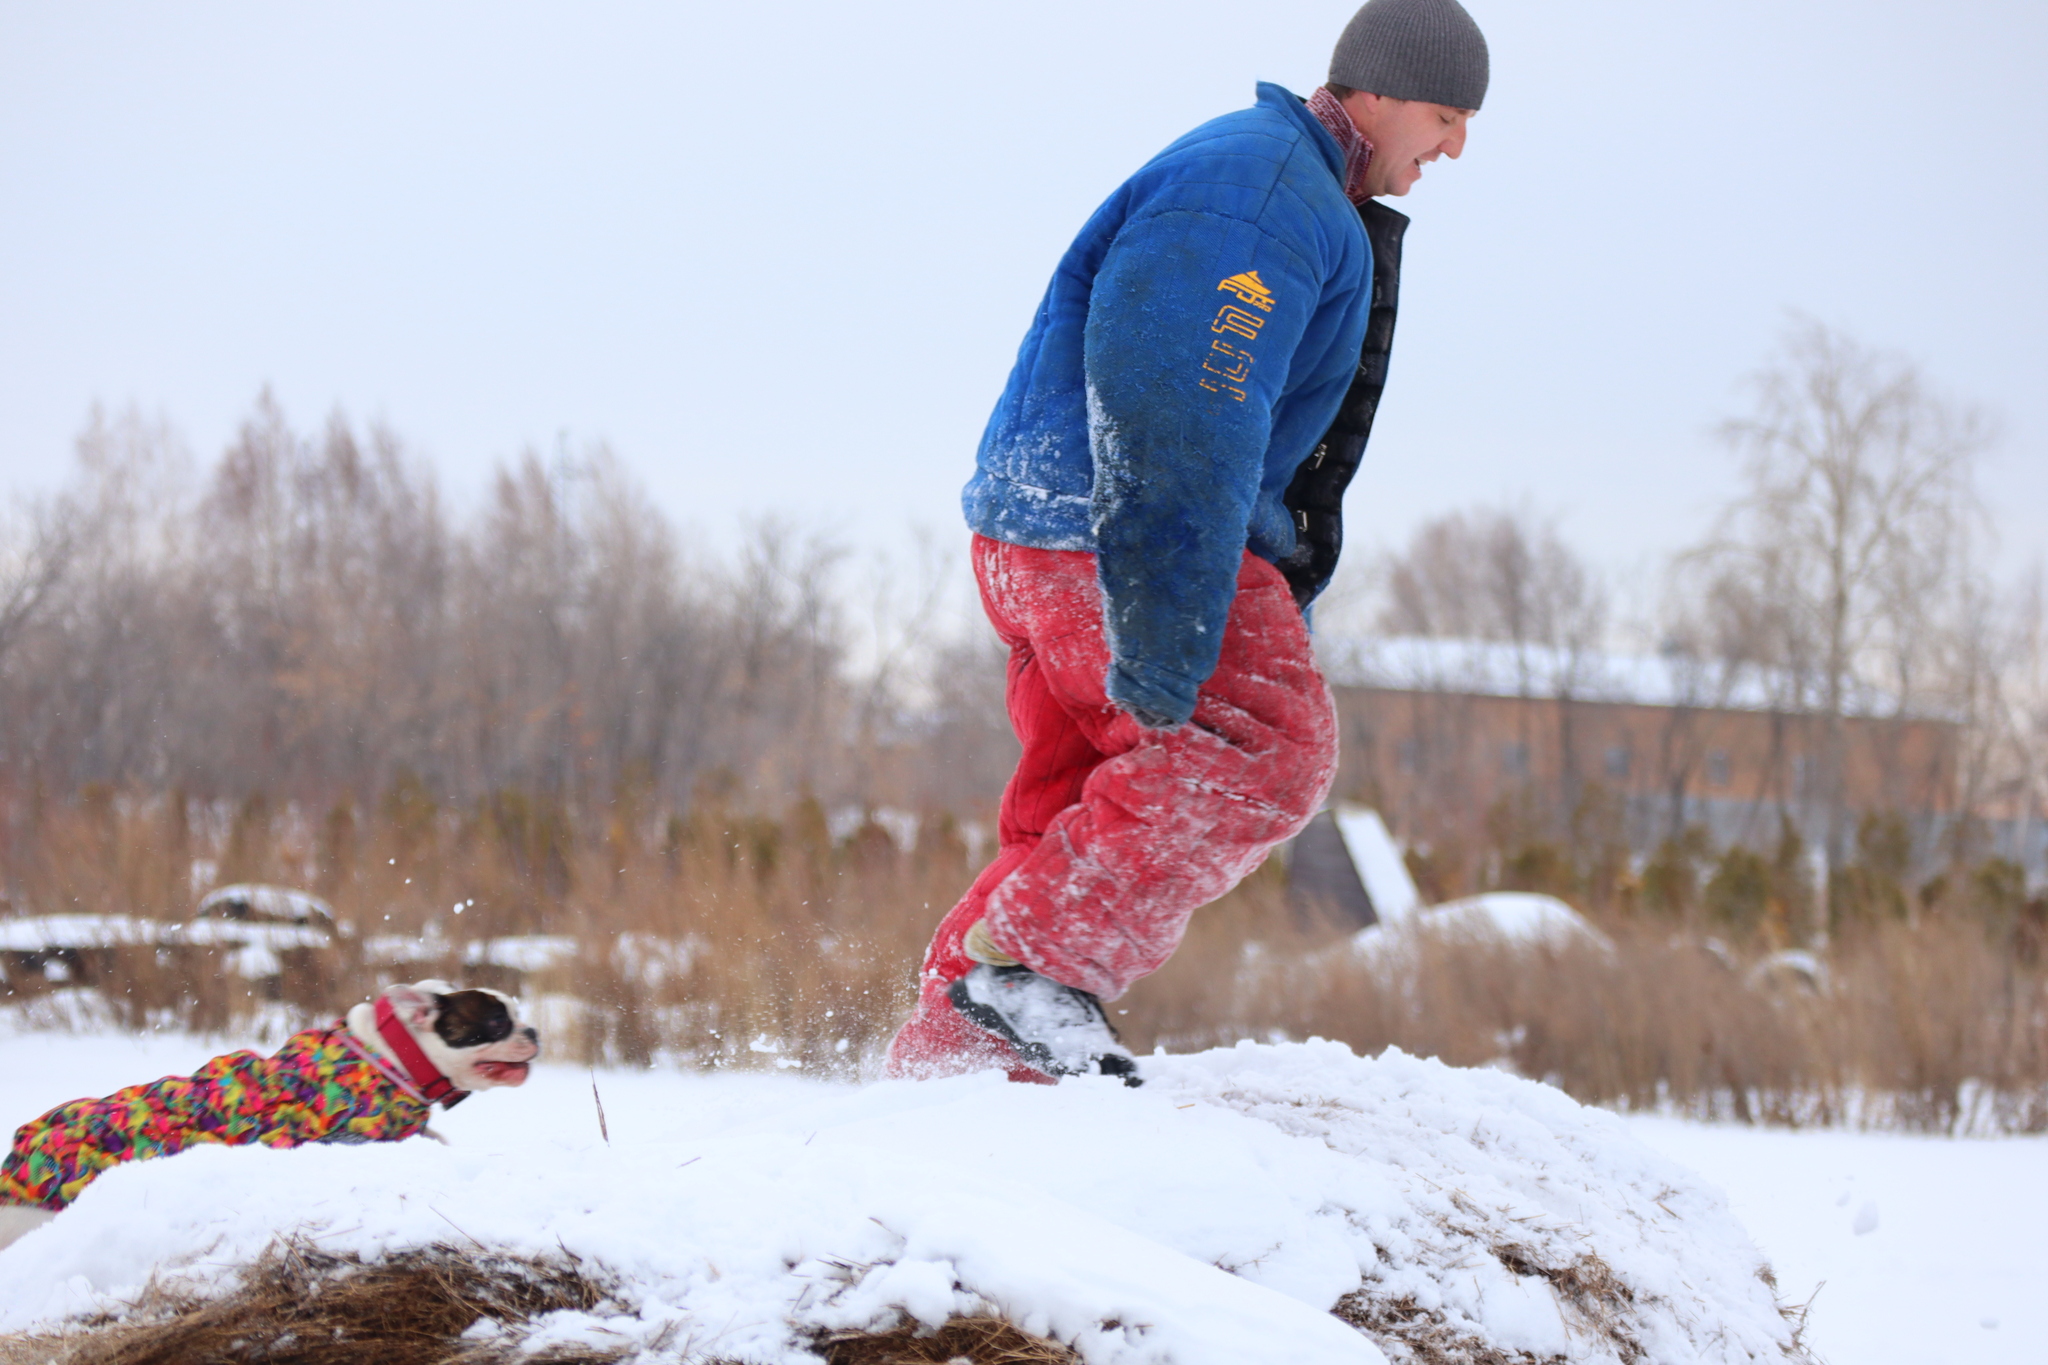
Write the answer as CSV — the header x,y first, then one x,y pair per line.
x,y
779,255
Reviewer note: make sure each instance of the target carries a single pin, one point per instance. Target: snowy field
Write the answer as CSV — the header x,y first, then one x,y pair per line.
x,y
739,1202
1931,1251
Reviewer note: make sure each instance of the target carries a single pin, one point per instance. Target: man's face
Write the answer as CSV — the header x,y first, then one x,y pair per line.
x,y
1406,135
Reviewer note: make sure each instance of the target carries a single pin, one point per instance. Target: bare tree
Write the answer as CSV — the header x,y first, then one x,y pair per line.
x,y
1504,578
307,623
1989,656
31,571
1851,530
2027,703
1493,574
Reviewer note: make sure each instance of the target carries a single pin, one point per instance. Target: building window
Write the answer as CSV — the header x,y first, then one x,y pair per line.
x,y
1514,760
1717,768
1618,762
1408,755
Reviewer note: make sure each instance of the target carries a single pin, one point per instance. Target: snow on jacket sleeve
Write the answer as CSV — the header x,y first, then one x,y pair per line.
x,y
1192,324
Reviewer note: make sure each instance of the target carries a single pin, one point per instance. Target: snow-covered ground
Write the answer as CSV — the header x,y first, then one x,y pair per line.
x,y
733,1203
1932,1251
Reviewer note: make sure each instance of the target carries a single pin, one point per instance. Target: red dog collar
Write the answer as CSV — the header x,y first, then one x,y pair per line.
x,y
424,1073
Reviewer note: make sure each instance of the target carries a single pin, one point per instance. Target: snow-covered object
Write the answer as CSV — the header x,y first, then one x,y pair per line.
x,y
1380,865
431,944
253,944
843,822
44,933
522,952
652,959
1521,917
266,905
229,933
257,923
1215,1216
1499,919
1055,1029
1794,967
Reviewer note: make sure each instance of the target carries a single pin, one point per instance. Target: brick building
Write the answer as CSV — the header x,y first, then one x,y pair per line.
x,y
1438,734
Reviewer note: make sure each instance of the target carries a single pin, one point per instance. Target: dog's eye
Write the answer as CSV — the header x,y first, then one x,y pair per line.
x,y
488,1030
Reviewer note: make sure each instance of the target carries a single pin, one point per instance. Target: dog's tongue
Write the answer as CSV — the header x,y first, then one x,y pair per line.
x,y
504,1073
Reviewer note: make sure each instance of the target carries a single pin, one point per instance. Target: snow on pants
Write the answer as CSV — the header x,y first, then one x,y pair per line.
x,y
1111,834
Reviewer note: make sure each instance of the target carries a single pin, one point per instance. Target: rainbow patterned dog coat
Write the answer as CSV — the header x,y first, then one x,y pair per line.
x,y
321,1086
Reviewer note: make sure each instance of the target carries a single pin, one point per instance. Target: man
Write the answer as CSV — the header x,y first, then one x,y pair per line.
x,y
1157,502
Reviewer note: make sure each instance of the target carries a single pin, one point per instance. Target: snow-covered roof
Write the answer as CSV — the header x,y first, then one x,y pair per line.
x,y
1378,860
1497,668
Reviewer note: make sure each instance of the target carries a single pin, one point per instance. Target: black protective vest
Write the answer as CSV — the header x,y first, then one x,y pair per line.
x,y
1316,494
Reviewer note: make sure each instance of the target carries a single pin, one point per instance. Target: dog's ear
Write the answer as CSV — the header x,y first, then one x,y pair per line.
x,y
414,1007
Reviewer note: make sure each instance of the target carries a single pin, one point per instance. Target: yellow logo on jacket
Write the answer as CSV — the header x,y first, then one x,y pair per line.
x,y
1251,289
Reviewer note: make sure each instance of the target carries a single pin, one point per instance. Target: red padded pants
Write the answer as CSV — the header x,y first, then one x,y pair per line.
x,y
1111,835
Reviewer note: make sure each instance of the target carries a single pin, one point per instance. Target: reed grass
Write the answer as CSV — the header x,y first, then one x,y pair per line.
x,y
724,938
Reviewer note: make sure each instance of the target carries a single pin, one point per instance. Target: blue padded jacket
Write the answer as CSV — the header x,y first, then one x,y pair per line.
x,y
1194,345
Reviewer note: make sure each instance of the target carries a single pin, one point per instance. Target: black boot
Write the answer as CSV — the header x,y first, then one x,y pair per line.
x,y
1058,1029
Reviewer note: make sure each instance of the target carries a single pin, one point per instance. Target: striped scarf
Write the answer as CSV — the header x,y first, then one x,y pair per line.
x,y
1357,151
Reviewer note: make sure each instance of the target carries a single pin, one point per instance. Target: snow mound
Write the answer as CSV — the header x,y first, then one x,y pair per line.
x,y
1219,1214
1527,918
1513,920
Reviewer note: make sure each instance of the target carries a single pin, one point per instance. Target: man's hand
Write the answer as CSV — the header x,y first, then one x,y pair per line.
x,y
1151,720
1154,707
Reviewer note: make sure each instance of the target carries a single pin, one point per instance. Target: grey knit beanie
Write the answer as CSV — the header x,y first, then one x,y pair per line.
x,y
1427,50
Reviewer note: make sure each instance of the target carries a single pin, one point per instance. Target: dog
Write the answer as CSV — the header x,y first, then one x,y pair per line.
x,y
373,1076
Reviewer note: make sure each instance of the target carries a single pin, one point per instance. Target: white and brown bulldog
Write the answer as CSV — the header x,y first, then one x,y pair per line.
x,y
474,1038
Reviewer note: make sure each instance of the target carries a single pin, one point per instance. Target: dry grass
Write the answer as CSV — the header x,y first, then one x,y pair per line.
x,y
1929,1026
298,1305
727,939
697,937
1595,1301
1587,1290
980,1341
1917,1027
1413,1335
